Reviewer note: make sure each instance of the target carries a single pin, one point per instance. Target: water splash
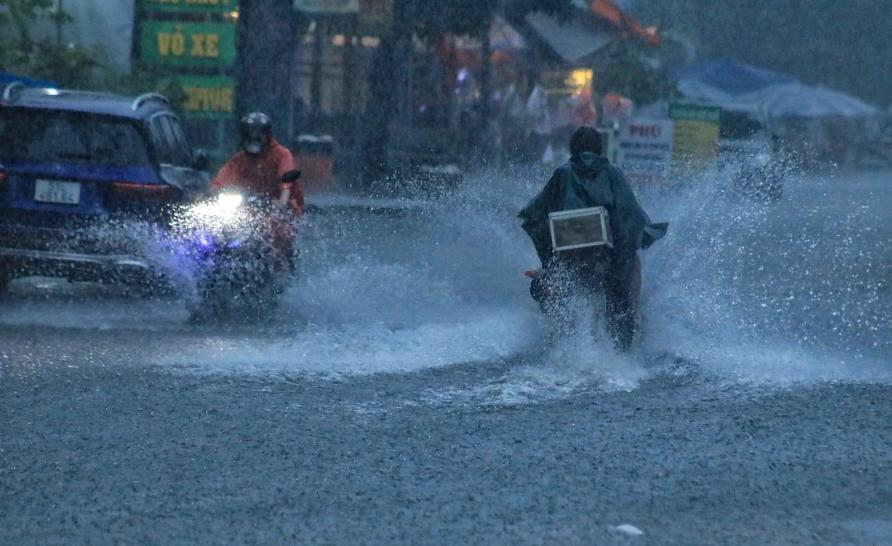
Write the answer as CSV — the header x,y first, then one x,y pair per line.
x,y
776,293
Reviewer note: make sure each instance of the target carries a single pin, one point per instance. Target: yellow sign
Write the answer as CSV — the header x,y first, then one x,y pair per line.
x,y
695,140
695,135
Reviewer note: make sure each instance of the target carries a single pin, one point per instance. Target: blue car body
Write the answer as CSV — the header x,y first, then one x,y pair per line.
x,y
73,165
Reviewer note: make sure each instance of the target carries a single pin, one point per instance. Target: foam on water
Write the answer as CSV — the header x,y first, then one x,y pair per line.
x,y
360,349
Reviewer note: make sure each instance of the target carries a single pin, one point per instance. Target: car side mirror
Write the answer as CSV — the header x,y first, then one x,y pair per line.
x,y
201,160
290,176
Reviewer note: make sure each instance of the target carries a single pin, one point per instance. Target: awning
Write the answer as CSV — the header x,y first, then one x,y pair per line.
x,y
800,100
502,35
607,10
728,78
573,41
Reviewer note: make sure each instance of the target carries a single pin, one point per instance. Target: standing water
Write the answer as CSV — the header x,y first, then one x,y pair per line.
x,y
769,292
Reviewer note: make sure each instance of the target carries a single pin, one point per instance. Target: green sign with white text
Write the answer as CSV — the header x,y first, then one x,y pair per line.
x,y
193,6
187,44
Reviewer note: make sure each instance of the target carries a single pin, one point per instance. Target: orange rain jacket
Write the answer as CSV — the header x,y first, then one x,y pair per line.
x,y
262,173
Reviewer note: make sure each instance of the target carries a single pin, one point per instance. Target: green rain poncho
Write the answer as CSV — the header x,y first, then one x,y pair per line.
x,y
590,181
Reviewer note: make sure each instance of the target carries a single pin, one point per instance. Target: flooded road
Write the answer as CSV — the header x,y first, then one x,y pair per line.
x,y
401,393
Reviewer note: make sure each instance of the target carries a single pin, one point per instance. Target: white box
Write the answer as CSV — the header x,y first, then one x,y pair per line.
x,y
580,228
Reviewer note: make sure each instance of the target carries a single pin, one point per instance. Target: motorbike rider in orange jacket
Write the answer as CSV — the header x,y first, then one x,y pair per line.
x,y
260,167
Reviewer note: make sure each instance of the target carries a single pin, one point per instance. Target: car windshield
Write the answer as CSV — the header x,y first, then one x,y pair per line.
x,y
58,136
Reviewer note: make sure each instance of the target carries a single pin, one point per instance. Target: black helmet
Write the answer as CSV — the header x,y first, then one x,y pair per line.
x,y
585,139
254,128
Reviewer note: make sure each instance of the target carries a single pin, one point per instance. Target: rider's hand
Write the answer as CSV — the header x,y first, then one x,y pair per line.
x,y
283,197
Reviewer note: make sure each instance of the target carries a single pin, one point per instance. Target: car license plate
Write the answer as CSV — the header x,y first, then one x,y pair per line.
x,y
56,191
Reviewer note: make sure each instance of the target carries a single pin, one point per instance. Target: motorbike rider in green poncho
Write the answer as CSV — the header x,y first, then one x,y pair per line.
x,y
611,265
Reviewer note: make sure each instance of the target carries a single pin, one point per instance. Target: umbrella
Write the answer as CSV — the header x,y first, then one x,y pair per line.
x,y
800,100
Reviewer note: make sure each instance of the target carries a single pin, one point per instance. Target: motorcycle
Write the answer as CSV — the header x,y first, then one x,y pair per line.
x,y
587,281
239,245
582,273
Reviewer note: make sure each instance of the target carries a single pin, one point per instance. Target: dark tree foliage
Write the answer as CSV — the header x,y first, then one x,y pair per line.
x,y
839,44
68,65
625,73
21,53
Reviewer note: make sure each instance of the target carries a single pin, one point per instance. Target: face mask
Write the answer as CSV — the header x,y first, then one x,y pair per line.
x,y
588,157
253,146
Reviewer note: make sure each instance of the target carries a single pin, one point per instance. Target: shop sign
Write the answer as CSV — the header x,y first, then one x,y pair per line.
x,y
695,135
193,6
188,44
645,146
208,97
327,6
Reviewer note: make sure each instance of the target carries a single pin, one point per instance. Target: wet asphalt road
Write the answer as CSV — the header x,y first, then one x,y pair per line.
x,y
99,449
107,435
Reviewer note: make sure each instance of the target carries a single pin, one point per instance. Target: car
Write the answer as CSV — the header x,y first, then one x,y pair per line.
x,y
76,168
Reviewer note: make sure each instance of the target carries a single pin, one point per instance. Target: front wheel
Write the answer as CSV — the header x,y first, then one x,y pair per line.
x,y
235,288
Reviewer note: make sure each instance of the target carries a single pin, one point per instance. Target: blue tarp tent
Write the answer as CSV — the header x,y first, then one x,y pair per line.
x,y
722,81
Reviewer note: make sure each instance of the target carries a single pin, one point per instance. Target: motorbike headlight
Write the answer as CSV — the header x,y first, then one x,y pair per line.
x,y
230,201
217,212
